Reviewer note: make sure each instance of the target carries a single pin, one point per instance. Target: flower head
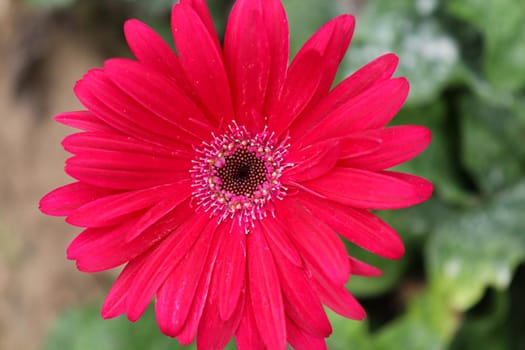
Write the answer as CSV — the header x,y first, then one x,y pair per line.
x,y
222,176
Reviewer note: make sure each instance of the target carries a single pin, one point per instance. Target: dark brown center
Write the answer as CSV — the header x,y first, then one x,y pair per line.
x,y
242,172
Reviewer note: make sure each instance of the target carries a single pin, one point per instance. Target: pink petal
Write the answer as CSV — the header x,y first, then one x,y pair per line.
x,y
398,144
300,339
360,268
215,332
115,302
161,262
230,270
332,41
312,161
201,9
155,213
357,146
370,190
300,301
94,249
276,28
119,179
371,109
152,90
117,160
299,87
109,103
265,291
202,61
317,242
87,142
247,59
107,211
364,78
278,239
356,225
175,296
187,334
247,336
63,200
151,50
83,120
336,297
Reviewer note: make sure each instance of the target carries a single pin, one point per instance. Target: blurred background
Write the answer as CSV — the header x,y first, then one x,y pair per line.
x,y
461,284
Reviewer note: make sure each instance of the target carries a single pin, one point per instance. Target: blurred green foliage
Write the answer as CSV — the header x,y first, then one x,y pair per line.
x,y
457,287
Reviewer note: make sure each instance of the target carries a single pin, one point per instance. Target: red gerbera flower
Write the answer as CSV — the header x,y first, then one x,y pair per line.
x,y
222,176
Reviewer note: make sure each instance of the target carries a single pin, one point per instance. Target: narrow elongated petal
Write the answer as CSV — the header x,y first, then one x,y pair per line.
x,y
155,213
201,9
357,225
119,179
63,200
357,146
364,78
202,61
187,334
247,58
151,90
300,300
337,297
277,239
114,160
300,339
230,270
215,332
398,145
366,189
303,77
372,109
247,336
175,296
312,161
276,28
83,120
150,49
106,211
94,249
318,243
363,269
109,103
161,262
265,289
115,303
332,41
87,142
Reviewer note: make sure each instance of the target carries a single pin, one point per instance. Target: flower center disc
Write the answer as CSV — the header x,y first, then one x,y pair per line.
x,y
242,173
237,175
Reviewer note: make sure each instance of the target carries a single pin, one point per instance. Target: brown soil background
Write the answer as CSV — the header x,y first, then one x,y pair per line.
x,y
40,60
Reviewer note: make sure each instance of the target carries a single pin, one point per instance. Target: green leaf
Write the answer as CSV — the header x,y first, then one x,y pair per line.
x,y
478,248
428,56
84,329
427,324
488,330
492,144
501,23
